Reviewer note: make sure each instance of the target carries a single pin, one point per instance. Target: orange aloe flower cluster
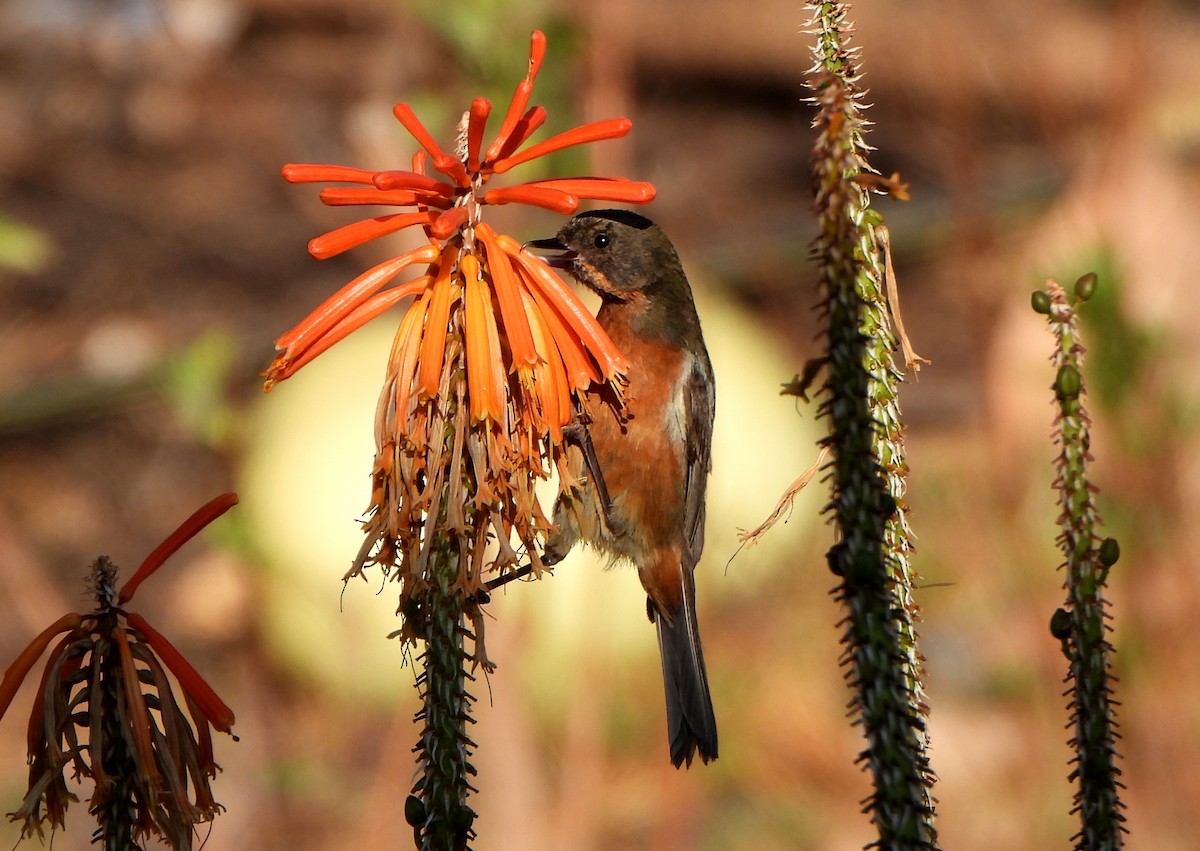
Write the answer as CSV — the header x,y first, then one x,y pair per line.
x,y
491,359
106,708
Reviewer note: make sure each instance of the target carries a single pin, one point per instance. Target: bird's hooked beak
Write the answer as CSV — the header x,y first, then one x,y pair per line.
x,y
563,260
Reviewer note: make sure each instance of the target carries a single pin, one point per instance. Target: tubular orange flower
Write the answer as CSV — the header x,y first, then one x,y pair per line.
x,y
187,530
614,128
485,371
516,318
493,358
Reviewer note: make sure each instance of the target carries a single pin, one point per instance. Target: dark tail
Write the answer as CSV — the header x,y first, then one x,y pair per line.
x,y
691,724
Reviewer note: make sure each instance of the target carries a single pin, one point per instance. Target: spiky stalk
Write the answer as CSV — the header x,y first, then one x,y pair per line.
x,y
1083,624
444,747
438,811
866,440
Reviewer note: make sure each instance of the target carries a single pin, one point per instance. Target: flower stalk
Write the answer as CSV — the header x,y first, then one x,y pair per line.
x,y
867,473
1083,624
491,361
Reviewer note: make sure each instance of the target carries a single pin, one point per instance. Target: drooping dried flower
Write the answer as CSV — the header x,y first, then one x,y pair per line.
x,y
493,355
106,708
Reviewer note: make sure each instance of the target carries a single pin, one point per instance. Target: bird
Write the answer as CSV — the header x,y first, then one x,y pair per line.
x,y
648,460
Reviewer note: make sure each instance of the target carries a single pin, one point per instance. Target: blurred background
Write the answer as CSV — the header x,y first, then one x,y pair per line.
x,y
150,253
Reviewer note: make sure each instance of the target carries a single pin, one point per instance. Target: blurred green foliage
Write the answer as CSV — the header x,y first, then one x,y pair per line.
x,y
23,248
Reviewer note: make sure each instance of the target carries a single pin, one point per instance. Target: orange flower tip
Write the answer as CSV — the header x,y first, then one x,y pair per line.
x,y
537,52
449,221
317,173
481,108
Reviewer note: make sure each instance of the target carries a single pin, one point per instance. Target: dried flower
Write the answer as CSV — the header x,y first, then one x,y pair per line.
x,y
491,359
106,683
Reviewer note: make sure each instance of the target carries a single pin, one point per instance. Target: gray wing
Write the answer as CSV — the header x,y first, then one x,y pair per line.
x,y
699,398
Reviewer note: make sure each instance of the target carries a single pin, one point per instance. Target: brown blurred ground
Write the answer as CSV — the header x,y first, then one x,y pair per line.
x,y
140,144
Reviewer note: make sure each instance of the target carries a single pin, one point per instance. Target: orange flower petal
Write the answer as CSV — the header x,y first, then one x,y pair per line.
x,y
350,236
499,382
450,221
214,709
600,188
516,323
337,306
433,347
550,377
485,372
534,118
19,669
481,108
413,125
360,316
612,128
187,530
520,98
406,355
415,180
581,321
344,196
453,168
551,198
515,107
317,173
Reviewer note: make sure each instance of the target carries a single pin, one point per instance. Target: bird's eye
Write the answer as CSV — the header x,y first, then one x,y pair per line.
x,y
602,239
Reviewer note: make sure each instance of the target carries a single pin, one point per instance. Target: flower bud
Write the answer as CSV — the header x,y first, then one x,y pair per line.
x,y
1085,286
1060,624
1110,551
1068,383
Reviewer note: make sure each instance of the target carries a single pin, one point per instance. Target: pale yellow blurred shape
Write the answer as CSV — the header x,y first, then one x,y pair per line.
x,y
307,483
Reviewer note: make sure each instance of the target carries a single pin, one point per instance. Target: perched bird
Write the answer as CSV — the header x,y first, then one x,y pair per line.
x,y
647,468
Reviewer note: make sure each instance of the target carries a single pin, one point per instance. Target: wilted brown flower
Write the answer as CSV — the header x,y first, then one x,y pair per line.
x,y
106,708
491,359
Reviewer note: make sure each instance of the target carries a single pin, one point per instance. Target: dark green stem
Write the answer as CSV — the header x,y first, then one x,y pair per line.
x,y
866,439
444,818
1083,625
